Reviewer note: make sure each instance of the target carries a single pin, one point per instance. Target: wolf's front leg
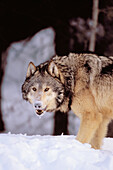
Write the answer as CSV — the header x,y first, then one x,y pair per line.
x,y
89,124
101,132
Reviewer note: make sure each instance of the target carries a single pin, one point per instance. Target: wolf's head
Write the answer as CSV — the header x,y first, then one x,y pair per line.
x,y
44,87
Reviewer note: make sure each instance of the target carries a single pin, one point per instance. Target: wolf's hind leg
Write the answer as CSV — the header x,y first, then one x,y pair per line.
x,y
89,125
100,133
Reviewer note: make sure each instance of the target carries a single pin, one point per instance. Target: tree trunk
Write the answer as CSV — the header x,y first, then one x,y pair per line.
x,y
61,123
95,13
110,130
2,68
62,37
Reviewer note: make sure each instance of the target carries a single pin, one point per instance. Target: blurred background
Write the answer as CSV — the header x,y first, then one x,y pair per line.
x,y
35,31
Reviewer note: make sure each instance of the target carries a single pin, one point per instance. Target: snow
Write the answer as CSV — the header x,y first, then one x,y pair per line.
x,y
52,153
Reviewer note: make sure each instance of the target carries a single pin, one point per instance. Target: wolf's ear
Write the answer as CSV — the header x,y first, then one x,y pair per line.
x,y
55,72
31,69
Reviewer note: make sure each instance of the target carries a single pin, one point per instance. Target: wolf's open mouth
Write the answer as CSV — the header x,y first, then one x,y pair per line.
x,y
39,112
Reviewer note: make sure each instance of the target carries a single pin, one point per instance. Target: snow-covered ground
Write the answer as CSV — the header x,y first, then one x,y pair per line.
x,y
21,152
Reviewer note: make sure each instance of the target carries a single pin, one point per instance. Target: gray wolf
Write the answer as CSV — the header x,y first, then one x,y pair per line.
x,y
81,82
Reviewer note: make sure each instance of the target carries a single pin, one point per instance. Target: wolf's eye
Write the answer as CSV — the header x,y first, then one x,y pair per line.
x,y
46,89
34,89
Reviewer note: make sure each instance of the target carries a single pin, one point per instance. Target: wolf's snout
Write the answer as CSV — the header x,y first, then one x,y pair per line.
x,y
38,105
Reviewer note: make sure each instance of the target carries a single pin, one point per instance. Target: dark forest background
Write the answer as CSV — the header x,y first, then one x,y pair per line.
x,y
71,21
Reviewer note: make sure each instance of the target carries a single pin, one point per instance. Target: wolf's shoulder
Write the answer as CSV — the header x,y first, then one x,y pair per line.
x,y
107,64
71,60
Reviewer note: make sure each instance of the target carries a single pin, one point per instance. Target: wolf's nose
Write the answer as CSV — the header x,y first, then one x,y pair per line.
x,y
38,105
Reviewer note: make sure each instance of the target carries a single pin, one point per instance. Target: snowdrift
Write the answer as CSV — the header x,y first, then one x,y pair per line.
x,y
21,152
